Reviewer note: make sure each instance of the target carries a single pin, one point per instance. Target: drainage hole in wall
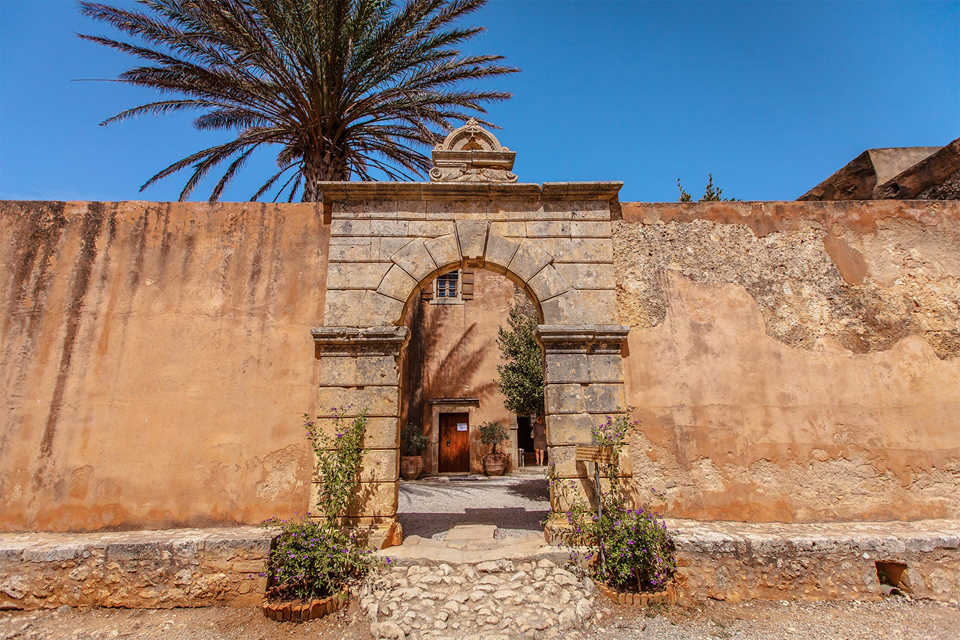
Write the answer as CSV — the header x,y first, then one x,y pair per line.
x,y
892,577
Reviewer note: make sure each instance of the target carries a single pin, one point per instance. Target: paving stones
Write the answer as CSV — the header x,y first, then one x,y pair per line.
x,y
495,598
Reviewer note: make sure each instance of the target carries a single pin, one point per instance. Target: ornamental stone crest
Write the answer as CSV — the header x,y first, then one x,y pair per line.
x,y
472,154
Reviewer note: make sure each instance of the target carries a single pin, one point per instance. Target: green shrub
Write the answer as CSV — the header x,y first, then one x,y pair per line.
x,y
315,558
627,549
520,372
338,461
412,440
492,434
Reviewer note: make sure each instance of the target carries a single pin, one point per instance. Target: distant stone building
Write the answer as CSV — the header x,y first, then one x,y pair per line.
x,y
898,173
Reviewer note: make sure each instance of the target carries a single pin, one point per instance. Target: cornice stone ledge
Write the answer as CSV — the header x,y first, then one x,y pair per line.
x,y
353,191
352,336
587,333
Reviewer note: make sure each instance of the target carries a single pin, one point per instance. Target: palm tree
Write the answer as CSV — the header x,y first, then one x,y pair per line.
x,y
344,87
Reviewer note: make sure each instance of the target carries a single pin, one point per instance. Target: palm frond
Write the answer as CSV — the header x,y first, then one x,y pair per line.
x,y
342,87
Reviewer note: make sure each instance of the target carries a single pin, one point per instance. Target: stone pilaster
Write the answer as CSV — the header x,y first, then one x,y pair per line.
x,y
359,370
584,385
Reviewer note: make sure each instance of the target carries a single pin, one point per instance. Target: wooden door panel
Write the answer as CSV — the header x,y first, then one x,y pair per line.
x,y
454,442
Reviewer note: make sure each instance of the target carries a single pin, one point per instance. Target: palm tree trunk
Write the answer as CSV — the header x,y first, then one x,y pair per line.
x,y
324,165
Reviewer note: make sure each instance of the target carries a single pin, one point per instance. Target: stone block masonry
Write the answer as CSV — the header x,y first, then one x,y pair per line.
x,y
390,240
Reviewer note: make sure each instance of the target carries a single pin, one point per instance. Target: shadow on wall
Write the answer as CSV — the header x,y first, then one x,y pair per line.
x,y
453,371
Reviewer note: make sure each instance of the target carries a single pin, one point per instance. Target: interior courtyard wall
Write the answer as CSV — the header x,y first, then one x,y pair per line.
x,y
156,362
453,353
794,361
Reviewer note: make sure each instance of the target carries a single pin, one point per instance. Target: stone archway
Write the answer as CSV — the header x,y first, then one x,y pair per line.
x,y
388,239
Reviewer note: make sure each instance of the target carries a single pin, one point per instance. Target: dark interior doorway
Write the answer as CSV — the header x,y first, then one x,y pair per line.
x,y
525,441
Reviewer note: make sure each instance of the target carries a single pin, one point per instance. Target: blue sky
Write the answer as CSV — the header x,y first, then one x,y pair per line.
x,y
771,97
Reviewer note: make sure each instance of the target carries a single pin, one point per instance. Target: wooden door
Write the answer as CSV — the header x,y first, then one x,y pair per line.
x,y
454,442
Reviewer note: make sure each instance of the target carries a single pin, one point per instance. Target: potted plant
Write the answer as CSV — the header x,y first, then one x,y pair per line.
x,y
492,434
311,567
412,443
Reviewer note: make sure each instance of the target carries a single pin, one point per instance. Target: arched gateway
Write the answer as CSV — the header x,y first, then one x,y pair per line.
x,y
390,239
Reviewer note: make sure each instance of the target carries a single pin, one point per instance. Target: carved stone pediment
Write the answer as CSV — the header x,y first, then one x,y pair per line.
x,y
472,154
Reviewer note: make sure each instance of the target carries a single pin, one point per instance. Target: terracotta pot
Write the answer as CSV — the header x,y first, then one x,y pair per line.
x,y
297,611
411,467
642,599
494,464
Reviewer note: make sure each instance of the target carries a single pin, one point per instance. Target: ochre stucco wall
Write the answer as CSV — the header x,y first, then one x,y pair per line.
x,y
156,362
789,361
794,361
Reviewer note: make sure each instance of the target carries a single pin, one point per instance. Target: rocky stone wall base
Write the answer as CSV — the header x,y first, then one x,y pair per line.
x,y
148,569
837,561
727,561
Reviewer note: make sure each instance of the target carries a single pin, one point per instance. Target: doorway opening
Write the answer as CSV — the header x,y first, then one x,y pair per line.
x,y
449,389
526,443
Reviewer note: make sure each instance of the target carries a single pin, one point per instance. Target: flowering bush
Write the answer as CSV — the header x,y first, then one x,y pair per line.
x,y
338,461
627,549
314,559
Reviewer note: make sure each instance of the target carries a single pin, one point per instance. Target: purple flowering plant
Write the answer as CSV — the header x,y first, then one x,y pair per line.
x,y
338,447
629,549
315,557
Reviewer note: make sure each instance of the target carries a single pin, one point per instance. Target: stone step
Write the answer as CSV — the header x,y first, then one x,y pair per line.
x,y
504,598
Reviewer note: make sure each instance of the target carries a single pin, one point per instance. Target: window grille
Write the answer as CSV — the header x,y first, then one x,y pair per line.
x,y
447,285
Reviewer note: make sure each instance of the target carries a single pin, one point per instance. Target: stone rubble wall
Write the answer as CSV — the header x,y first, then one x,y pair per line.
x,y
528,593
148,569
813,562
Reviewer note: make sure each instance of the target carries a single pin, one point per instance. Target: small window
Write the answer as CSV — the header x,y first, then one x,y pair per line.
x,y
447,285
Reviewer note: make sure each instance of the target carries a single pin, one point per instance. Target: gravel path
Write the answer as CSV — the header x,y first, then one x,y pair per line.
x,y
712,621
515,504
760,620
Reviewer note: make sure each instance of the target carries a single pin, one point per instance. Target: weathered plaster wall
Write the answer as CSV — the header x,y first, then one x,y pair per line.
x,y
794,361
790,361
156,359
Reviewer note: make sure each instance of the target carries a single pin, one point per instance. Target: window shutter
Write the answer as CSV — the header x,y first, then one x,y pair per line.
x,y
426,291
466,284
